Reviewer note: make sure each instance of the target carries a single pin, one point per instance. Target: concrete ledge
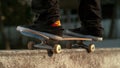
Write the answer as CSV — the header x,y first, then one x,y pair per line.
x,y
69,58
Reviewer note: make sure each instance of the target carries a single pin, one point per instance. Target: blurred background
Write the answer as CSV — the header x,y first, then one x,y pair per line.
x,y
18,12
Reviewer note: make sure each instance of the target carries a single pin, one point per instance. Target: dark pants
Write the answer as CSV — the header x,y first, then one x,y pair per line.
x,y
48,11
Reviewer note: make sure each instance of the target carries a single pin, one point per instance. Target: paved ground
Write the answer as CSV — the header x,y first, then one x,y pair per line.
x,y
74,58
107,55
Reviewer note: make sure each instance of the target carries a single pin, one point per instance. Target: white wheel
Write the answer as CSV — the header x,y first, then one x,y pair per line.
x,y
91,48
30,45
57,48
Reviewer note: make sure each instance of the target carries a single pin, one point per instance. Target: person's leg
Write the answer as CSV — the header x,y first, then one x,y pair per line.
x,y
90,16
46,11
47,17
90,13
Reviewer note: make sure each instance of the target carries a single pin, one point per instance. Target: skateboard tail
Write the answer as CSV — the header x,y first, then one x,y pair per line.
x,y
26,32
32,35
36,34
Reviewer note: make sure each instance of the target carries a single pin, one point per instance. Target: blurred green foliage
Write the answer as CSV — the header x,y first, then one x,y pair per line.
x,y
15,12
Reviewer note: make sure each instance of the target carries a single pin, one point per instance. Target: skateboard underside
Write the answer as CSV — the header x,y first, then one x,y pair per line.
x,y
51,42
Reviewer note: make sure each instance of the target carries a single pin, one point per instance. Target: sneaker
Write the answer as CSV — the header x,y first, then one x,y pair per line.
x,y
53,29
86,33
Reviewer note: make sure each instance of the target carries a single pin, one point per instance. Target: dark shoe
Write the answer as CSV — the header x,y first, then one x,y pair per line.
x,y
47,29
94,33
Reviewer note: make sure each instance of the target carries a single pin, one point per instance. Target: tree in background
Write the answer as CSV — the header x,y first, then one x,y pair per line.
x,y
13,12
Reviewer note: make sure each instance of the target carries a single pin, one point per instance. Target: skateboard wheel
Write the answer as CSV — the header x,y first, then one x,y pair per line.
x,y
57,48
30,45
91,48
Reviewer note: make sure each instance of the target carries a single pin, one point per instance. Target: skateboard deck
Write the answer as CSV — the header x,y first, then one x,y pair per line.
x,y
41,35
46,36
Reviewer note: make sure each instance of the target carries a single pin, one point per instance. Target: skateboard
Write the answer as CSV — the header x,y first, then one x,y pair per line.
x,y
52,42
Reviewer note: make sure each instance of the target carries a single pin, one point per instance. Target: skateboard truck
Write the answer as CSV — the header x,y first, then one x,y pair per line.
x,y
89,48
55,48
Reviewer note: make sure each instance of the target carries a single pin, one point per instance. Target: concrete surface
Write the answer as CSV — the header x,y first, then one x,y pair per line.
x,y
73,58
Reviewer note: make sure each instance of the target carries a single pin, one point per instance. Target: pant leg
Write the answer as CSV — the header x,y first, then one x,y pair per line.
x,y
47,11
90,12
